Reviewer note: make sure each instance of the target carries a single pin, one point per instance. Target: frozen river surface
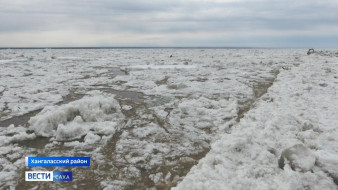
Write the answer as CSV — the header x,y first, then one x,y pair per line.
x,y
147,116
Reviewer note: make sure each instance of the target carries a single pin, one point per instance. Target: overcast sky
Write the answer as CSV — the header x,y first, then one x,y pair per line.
x,y
214,23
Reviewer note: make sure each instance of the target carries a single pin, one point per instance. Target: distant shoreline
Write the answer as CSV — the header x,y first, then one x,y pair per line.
x,y
149,48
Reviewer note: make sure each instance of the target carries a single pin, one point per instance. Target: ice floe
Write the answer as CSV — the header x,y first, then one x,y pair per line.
x,y
99,114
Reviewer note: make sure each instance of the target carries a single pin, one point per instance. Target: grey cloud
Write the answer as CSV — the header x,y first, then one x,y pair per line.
x,y
169,17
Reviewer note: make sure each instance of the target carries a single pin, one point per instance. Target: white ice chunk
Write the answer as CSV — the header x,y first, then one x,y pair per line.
x,y
73,120
299,157
70,131
91,138
127,107
329,163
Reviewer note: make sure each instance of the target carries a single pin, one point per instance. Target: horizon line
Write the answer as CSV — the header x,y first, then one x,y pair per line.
x,y
152,47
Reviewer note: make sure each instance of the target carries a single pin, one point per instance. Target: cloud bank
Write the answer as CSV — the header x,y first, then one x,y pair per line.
x,y
215,23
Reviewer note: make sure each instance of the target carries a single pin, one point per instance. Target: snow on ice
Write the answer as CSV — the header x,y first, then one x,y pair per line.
x,y
72,121
160,118
294,124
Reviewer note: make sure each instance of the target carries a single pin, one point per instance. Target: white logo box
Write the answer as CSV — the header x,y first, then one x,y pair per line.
x,y
38,176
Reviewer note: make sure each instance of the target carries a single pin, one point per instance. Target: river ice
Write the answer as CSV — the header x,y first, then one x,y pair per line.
x,y
155,118
286,141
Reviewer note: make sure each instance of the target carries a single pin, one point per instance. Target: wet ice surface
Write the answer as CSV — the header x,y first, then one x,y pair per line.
x,y
143,116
